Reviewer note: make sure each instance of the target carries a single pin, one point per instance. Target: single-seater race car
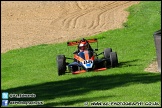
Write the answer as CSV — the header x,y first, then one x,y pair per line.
x,y
86,59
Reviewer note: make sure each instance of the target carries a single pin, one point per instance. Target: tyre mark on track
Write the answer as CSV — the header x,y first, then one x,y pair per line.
x,y
71,21
110,15
74,17
79,5
102,11
96,20
64,18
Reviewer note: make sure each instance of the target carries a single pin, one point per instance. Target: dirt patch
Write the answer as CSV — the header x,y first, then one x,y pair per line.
x,y
153,67
26,23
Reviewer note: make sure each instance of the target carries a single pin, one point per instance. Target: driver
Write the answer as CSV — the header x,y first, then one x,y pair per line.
x,y
83,45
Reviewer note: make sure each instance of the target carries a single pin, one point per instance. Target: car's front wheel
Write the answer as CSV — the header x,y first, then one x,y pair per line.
x,y
61,64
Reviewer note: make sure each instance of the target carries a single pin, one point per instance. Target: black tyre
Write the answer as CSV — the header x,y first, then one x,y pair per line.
x,y
113,59
61,63
107,52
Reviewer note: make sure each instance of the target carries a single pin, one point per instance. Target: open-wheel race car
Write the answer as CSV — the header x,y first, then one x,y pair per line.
x,y
86,59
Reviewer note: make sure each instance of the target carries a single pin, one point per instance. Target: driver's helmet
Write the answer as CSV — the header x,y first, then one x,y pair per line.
x,y
83,46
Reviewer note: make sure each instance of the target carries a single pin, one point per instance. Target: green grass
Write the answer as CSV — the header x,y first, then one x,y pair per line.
x,y
34,69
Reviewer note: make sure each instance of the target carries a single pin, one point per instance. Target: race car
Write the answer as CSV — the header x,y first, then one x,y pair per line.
x,y
86,59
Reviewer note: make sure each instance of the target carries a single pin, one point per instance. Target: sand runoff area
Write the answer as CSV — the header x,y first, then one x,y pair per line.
x,y
28,23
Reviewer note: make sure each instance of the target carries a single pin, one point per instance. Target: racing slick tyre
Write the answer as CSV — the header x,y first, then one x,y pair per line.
x,y
61,63
107,52
113,59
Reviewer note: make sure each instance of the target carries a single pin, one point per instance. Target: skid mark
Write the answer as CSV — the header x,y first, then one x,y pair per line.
x,y
108,12
112,15
79,4
101,14
66,19
71,21
74,17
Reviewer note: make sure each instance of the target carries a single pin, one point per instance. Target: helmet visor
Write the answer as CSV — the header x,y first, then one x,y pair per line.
x,y
83,48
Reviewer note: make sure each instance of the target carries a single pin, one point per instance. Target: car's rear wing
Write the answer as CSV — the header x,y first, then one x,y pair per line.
x,y
72,43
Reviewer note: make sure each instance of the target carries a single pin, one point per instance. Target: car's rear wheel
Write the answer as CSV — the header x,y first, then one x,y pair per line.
x,y
113,59
61,64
